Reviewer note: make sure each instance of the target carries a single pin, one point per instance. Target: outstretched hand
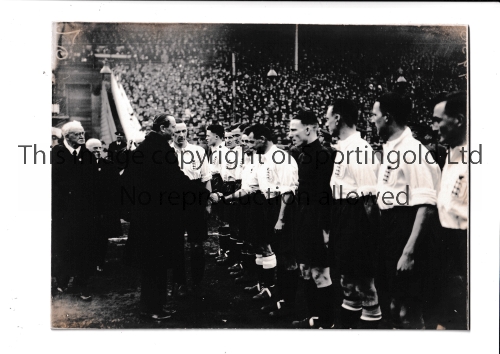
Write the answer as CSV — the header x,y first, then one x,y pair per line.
x,y
279,226
405,264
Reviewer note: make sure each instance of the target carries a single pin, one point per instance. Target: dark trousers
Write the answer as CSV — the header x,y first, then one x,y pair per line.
x,y
65,266
195,223
178,258
405,290
153,288
451,256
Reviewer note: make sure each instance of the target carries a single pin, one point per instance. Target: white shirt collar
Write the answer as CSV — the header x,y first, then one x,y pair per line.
x,y
218,147
342,144
392,143
179,149
456,153
268,155
71,149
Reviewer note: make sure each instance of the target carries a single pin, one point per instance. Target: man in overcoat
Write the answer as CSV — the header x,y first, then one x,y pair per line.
x,y
72,242
105,194
154,194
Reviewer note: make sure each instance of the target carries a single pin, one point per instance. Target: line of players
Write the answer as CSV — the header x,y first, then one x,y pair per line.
x,y
280,222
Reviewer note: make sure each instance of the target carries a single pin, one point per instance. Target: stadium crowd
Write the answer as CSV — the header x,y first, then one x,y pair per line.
x,y
192,79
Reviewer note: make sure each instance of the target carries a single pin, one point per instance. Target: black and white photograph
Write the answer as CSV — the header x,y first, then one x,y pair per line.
x,y
248,176
222,174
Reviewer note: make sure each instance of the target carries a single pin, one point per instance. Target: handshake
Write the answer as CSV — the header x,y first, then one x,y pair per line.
x,y
216,197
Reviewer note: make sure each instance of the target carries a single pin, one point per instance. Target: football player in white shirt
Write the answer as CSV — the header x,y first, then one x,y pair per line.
x,y
194,164
453,206
407,187
232,172
355,221
231,166
246,223
218,150
273,185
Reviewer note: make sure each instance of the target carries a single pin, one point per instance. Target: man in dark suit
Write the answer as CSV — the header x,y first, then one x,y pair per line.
x,y
155,193
72,247
105,194
116,149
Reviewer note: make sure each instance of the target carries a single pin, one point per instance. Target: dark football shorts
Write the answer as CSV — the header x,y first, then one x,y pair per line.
x,y
264,216
309,223
353,240
243,217
396,227
230,211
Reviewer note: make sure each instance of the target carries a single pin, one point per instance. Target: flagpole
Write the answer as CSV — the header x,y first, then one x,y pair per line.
x,y
234,86
296,47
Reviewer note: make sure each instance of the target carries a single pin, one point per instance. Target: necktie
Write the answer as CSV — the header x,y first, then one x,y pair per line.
x,y
74,153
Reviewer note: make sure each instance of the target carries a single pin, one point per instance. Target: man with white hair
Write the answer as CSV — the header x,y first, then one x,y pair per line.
x,y
105,194
72,211
94,146
56,136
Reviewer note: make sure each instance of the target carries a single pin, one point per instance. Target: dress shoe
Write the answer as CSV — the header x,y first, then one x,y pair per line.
x,y
236,274
254,289
223,261
222,255
57,292
214,254
306,323
85,297
310,323
272,307
168,309
264,294
235,267
160,316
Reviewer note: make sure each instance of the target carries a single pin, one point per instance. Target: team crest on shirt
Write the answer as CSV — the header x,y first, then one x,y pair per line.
x,y
389,175
269,175
459,188
339,171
